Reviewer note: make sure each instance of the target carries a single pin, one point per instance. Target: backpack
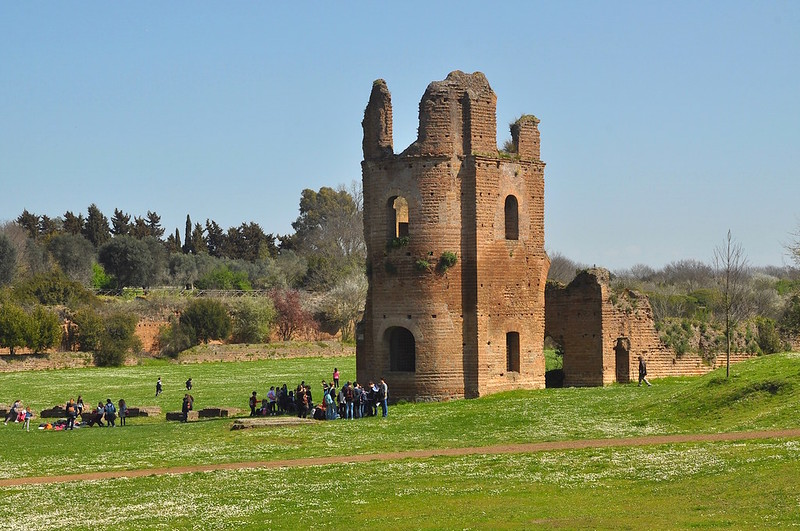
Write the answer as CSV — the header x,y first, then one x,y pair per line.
x,y
348,395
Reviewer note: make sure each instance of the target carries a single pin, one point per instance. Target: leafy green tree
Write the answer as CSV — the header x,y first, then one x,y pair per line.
x,y
120,223
183,270
253,318
96,228
154,224
215,239
329,233
100,279
74,254
49,227
199,244
44,331
52,289
29,222
139,228
73,224
90,329
248,242
128,260
187,240
208,319
14,325
173,243
8,260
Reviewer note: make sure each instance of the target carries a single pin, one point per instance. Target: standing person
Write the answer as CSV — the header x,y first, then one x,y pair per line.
x,y
373,399
123,411
79,405
383,392
358,400
253,404
12,413
111,414
71,414
335,377
349,396
28,416
185,407
159,388
643,372
273,398
189,384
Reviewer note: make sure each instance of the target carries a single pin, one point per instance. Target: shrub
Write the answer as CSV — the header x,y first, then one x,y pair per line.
x,y
769,340
51,289
447,260
422,265
223,277
90,329
118,340
397,243
14,324
44,331
253,319
208,318
175,338
292,317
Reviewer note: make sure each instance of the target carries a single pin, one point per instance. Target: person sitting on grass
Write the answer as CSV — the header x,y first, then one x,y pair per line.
x,y
12,413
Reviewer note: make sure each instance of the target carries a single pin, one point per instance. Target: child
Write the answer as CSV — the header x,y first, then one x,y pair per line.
x,y
28,417
123,411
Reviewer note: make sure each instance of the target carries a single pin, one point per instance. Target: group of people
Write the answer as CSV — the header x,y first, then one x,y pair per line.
x,y
18,414
91,416
350,401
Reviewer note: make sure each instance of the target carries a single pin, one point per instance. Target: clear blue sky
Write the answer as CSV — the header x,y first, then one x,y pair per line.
x,y
663,124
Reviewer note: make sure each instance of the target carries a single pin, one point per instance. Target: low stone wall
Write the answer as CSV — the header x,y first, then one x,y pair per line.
x,y
178,415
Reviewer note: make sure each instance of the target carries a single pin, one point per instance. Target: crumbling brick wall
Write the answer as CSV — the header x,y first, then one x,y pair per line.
x,y
454,187
603,334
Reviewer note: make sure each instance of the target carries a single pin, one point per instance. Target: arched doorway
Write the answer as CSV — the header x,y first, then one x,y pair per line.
x,y
622,355
402,349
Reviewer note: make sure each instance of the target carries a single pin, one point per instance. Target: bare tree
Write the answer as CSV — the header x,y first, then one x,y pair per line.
x,y
563,269
793,247
730,265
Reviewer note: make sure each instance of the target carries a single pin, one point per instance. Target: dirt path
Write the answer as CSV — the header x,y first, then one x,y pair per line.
x,y
415,454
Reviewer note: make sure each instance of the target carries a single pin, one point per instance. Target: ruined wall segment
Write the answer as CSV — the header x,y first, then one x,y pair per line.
x,y
460,317
603,334
377,123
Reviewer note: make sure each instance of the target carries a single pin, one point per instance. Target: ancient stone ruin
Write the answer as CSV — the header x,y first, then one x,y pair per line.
x,y
454,231
457,270
603,333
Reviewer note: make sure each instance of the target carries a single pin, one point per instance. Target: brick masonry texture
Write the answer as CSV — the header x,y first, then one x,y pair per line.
x,y
456,185
603,334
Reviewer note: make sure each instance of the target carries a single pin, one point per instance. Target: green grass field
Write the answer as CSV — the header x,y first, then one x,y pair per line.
x,y
714,485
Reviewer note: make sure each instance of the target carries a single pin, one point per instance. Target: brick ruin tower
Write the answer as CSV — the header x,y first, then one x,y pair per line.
x,y
455,248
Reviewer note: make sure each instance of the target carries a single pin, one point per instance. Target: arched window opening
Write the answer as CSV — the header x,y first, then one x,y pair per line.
x,y
398,217
402,350
512,218
512,351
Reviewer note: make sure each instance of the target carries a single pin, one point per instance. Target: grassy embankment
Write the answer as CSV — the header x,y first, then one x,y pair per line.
x,y
735,485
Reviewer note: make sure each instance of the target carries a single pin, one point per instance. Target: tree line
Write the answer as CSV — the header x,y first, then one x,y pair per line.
x,y
319,269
